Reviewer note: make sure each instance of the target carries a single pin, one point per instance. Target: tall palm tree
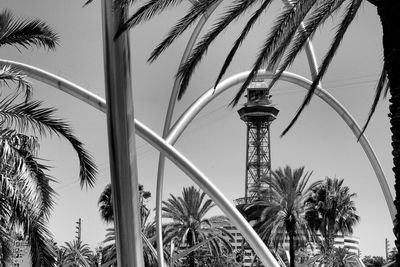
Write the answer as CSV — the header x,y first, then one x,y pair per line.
x,y
286,39
25,185
283,211
331,210
26,196
25,193
189,225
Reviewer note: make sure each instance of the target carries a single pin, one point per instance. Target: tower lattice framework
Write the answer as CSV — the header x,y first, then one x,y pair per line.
x,y
258,114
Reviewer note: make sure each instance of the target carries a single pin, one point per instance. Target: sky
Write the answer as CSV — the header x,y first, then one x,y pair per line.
x,y
215,141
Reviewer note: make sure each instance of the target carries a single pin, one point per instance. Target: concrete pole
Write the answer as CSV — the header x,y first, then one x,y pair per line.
x,y
121,138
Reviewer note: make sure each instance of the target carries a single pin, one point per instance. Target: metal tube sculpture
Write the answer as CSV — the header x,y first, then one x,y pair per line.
x,y
121,138
207,97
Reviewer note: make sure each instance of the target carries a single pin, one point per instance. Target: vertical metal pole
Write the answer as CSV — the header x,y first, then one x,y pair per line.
x,y
121,139
246,186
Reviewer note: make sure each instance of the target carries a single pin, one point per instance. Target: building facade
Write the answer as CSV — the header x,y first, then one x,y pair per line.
x,y
20,255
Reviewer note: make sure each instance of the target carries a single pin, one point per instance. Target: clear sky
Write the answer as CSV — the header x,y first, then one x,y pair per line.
x,y
215,141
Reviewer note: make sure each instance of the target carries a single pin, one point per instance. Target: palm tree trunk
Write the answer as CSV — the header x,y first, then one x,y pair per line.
x,y
291,249
388,11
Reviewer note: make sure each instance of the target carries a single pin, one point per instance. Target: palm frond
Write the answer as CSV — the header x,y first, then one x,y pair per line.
x,y
87,2
350,14
187,69
19,182
13,203
284,29
106,205
316,19
240,39
381,89
34,228
197,9
26,32
43,185
145,13
123,3
39,237
289,23
31,115
11,74
28,175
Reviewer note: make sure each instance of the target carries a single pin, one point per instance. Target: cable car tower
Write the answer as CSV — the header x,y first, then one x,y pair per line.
x,y
258,113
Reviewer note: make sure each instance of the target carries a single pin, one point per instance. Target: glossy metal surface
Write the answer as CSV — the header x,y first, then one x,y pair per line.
x,y
121,138
59,83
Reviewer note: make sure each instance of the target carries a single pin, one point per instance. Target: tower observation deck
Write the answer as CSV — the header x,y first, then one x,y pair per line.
x,y
258,113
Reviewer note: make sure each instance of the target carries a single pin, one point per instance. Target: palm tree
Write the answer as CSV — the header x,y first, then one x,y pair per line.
x,y
109,251
189,225
77,254
29,115
340,257
61,258
106,205
283,211
286,39
26,195
331,210
25,185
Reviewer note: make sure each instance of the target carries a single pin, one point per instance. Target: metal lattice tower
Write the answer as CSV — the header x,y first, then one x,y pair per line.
x,y
258,113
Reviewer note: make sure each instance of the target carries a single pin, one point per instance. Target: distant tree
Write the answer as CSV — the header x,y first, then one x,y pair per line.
x,y
392,254
105,204
302,256
373,261
77,254
190,225
331,210
343,258
283,211
109,252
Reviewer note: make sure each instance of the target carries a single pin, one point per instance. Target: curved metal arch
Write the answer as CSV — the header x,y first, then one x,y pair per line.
x,y
201,102
160,144
209,95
